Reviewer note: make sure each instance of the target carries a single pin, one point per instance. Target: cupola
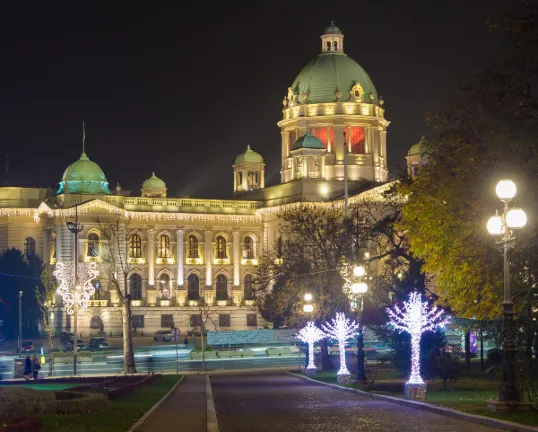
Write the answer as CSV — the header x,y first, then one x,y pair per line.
x,y
83,177
332,39
249,171
153,187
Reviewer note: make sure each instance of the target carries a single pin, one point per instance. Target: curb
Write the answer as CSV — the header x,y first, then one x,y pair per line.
x,y
154,407
212,423
448,412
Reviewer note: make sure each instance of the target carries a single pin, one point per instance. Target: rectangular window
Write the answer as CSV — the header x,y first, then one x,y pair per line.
x,y
356,139
252,320
138,321
167,320
196,320
224,320
322,133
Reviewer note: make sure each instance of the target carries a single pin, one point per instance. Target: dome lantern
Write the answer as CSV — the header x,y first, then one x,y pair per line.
x,y
249,171
153,187
332,39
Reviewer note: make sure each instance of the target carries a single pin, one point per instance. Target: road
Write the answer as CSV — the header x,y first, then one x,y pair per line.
x,y
282,403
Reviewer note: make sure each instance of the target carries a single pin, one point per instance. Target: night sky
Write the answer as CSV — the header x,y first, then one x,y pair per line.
x,y
182,90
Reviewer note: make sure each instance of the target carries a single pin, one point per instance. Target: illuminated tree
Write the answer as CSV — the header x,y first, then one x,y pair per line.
x,y
415,318
310,335
341,328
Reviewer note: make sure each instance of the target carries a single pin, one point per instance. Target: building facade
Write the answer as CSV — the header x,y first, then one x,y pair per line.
x,y
184,257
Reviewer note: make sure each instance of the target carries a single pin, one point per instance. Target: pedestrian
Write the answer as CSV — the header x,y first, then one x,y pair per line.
x,y
35,366
27,368
186,341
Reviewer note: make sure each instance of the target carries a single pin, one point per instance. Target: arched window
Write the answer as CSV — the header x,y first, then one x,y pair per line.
x,y
135,246
328,46
248,248
164,246
164,286
222,287
193,287
221,247
135,286
96,323
29,246
335,46
192,247
93,245
250,288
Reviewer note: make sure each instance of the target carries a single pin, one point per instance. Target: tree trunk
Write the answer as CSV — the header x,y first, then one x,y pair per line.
x,y
324,355
468,349
203,350
128,351
50,351
482,366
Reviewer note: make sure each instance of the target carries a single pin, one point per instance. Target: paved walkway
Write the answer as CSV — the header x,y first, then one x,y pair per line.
x,y
282,403
183,410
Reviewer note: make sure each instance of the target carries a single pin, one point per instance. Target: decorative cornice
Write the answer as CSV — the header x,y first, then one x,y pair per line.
x,y
17,212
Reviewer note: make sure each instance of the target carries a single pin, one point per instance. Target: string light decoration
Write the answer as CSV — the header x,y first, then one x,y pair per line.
x,y
416,317
310,335
342,329
65,274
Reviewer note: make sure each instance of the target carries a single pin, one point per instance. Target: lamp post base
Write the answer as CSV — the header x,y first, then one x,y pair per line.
x,y
499,406
415,391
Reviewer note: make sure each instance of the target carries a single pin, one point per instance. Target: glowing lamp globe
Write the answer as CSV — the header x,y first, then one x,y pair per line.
x,y
516,218
308,297
308,308
359,288
366,255
506,189
324,190
359,271
495,225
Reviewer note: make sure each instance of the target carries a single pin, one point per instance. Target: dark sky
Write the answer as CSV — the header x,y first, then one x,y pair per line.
x,y
182,90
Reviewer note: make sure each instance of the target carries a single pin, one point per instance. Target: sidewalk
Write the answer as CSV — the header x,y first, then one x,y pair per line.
x,y
183,410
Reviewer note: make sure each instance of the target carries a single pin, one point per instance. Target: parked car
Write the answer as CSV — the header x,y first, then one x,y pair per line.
x,y
66,336
99,342
27,346
81,345
162,335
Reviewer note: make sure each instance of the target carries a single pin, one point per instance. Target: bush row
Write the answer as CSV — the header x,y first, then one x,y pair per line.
x,y
58,354
126,389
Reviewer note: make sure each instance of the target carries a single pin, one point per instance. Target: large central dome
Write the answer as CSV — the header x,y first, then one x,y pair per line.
x,y
332,72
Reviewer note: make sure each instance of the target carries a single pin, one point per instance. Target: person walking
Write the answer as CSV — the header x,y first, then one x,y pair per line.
x,y
35,366
27,368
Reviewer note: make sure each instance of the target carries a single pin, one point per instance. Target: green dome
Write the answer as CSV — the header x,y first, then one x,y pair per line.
x,y
329,72
248,156
419,148
308,141
154,182
332,28
84,177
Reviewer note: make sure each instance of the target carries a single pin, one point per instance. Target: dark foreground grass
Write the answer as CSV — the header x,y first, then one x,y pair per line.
x,y
121,414
469,394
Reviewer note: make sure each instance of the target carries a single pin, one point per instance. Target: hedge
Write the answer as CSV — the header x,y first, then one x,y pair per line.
x,y
128,388
69,402
58,354
21,424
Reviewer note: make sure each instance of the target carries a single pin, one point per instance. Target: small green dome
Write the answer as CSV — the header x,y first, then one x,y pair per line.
x,y
419,148
84,177
332,28
154,182
329,73
308,141
248,156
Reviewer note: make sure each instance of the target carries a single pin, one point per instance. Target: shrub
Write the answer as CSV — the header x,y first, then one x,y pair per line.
x,y
495,356
69,402
21,424
21,402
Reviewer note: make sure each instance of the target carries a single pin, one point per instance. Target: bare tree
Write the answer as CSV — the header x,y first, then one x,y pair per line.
x,y
45,296
114,259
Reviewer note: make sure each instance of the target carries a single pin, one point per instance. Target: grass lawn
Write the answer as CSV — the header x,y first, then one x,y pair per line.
x,y
469,394
120,416
48,386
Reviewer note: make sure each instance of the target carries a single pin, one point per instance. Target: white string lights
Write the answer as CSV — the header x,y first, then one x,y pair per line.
x,y
310,335
342,329
71,292
415,318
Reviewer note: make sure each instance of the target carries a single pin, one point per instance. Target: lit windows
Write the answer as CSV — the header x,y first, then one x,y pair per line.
x,y
164,286
135,246
248,248
29,247
192,247
222,287
193,287
221,248
164,246
93,245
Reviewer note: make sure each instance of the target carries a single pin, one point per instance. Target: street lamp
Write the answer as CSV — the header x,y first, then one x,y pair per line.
x,y
19,348
503,225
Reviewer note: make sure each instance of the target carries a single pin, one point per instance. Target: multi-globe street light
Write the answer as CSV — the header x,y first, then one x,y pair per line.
x,y
503,225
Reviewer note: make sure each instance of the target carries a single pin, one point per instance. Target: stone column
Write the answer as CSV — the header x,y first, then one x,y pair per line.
x,y
262,178
151,258
236,256
180,261
208,257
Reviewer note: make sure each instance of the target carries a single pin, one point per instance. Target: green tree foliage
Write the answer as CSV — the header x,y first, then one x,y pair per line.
x,y
19,273
487,132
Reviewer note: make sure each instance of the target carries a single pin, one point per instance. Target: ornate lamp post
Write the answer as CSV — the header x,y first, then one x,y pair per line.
x,y
503,225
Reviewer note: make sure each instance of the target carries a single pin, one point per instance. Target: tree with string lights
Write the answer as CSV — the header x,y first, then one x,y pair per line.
x,y
415,318
310,335
342,329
